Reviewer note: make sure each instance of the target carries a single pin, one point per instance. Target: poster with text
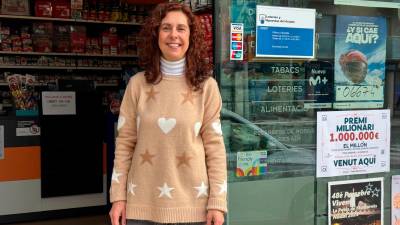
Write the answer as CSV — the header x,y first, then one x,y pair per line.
x,y
360,57
395,200
285,32
356,202
318,85
353,142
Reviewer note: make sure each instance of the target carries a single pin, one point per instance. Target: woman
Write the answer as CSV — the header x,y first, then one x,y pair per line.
x,y
170,162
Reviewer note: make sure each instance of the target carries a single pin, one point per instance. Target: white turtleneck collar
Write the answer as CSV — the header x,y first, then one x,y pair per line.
x,y
175,68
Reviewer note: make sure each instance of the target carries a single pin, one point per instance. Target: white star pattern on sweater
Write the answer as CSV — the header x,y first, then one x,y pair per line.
x,y
137,123
131,188
165,191
197,127
121,122
217,127
223,188
115,176
202,190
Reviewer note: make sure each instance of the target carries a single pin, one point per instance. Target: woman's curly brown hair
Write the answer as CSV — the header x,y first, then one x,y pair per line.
x,y
198,68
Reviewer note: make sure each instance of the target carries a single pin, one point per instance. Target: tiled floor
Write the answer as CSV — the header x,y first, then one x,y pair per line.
x,y
86,220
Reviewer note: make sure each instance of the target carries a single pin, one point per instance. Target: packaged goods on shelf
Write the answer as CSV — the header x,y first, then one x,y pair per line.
x,y
62,38
12,7
132,44
26,39
110,42
206,23
103,11
61,9
93,45
22,90
76,9
6,43
122,47
16,43
113,37
43,8
116,14
42,36
78,39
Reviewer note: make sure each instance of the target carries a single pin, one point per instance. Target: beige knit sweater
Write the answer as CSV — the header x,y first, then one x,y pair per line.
x,y
170,161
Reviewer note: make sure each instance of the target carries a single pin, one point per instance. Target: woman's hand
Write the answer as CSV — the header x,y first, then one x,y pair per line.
x,y
118,210
215,217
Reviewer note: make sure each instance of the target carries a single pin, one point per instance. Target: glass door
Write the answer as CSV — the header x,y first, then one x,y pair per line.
x,y
269,113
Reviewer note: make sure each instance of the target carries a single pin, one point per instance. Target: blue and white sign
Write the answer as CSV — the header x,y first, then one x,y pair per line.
x,y
285,32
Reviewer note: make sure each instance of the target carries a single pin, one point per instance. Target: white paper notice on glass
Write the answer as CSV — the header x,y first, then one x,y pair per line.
x,y
58,103
285,32
353,142
395,199
1,142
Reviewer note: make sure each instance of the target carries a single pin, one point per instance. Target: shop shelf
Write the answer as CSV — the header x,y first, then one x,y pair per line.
x,y
67,54
67,20
59,67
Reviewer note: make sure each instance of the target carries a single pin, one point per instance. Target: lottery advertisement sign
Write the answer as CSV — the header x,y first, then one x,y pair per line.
x,y
353,142
360,57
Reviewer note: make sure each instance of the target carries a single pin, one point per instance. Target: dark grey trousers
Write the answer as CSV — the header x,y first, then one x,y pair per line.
x,y
142,222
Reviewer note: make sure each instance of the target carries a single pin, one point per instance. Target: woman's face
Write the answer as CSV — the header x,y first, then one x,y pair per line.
x,y
173,35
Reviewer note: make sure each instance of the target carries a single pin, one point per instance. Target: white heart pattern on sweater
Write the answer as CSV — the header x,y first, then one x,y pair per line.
x,y
197,127
121,122
166,125
217,127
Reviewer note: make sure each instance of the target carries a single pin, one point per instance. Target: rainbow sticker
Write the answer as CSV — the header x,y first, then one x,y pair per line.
x,y
251,163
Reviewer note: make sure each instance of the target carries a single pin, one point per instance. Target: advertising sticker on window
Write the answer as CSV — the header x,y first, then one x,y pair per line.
x,y
251,163
360,57
319,85
280,88
285,32
236,41
355,201
353,142
395,200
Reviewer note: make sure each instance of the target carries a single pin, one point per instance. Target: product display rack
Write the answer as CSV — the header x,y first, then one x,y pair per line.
x,y
37,18
69,54
59,67
45,84
66,54
103,68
